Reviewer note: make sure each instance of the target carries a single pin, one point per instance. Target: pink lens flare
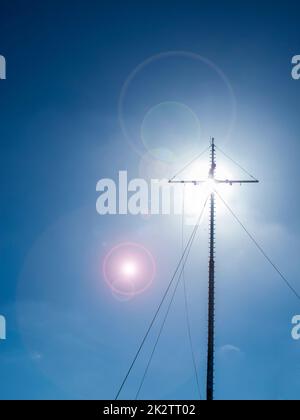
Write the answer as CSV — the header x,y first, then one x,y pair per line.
x,y
129,269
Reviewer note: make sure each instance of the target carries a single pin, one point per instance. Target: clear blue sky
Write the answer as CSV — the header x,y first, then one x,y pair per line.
x,y
68,337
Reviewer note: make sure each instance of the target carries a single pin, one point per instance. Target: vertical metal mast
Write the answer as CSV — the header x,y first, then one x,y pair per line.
x,y
211,284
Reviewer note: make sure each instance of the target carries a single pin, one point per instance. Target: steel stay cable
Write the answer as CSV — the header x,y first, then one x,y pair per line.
x,y
170,303
235,162
190,163
188,323
288,284
158,309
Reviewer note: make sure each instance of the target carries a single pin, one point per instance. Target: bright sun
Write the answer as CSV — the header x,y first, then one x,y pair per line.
x,y
195,195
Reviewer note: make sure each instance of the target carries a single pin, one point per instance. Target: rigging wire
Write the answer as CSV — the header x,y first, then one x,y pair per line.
x,y
190,163
171,301
187,316
235,162
160,304
294,291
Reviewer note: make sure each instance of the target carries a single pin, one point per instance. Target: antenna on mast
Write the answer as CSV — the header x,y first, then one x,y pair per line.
x,y
211,271
211,283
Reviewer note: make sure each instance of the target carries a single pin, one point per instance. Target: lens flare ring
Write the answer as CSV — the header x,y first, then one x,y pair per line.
x,y
129,269
165,55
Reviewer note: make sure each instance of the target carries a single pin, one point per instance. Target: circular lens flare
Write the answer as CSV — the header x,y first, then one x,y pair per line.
x,y
166,127
129,269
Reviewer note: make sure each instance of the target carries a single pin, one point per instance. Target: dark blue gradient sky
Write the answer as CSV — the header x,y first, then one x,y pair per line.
x,y
60,132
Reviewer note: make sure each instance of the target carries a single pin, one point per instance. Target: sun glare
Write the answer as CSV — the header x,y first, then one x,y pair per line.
x,y
196,194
